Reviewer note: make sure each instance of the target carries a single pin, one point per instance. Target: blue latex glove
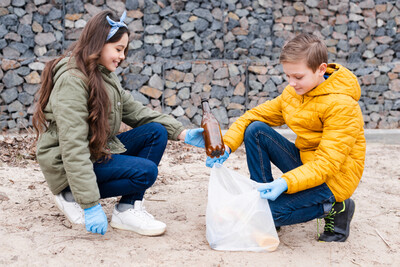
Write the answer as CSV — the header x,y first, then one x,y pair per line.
x,y
273,190
211,161
96,220
195,137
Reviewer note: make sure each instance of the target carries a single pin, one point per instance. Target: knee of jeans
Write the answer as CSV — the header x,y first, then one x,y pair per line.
x,y
151,174
252,129
161,131
279,214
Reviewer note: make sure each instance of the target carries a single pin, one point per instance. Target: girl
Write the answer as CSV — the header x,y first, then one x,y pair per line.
x,y
80,108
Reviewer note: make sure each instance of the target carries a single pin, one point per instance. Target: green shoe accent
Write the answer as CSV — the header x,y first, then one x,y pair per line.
x,y
337,222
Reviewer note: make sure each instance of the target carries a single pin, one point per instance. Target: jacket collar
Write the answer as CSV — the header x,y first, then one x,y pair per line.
x,y
340,81
103,69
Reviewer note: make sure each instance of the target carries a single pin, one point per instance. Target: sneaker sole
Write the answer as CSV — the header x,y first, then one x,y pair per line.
x,y
138,230
65,214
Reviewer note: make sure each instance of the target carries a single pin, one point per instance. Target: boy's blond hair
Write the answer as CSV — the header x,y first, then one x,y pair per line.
x,y
306,47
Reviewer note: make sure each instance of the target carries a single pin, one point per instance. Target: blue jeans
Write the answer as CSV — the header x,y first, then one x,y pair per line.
x,y
265,146
131,173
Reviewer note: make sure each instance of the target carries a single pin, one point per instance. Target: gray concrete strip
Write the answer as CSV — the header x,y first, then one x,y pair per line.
x,y
384,136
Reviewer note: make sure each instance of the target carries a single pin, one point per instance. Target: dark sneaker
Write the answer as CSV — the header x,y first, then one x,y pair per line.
x,y
337,222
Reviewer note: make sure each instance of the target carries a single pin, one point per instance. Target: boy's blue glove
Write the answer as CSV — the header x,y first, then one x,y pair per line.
x,y
96,220
273,189
211,161
195,137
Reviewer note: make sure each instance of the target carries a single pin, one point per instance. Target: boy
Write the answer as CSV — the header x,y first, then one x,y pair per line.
x,y
324,166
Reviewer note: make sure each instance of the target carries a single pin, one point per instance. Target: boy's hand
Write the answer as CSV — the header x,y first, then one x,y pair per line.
x,y
273,190
211,161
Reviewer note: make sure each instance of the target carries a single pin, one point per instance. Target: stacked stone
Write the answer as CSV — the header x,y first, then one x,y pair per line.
x,y
182,30
177,88
249,30
380,97
28,31
225,50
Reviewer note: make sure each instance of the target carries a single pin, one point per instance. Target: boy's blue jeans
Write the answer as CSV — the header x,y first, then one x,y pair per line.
x,y
131,173
265,146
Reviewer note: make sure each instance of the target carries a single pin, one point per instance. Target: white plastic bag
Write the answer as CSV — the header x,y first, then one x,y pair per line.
x,y
237,219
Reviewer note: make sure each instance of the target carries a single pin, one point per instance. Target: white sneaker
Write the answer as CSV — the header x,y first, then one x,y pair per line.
x,y
71,210
138,220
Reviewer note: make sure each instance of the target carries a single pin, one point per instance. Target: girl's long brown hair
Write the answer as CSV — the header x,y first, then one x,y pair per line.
x,y
86,52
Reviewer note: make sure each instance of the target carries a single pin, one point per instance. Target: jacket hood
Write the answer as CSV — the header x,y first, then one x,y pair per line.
x,y
340,81
68,64
63,66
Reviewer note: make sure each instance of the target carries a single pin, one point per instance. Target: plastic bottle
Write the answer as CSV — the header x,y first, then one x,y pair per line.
x,y
212,132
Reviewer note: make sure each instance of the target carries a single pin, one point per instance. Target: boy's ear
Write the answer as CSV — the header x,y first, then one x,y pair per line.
x,y
322,69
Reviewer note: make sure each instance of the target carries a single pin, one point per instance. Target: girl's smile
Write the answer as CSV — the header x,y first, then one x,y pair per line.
x,y
113,53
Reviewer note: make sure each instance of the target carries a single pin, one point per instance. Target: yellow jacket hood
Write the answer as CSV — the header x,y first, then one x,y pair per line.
x,y
340,81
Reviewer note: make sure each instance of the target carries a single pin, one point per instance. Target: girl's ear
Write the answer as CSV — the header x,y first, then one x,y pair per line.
x,y
322,69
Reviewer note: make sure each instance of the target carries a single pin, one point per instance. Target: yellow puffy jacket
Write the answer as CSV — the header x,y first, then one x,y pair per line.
x,y
329,126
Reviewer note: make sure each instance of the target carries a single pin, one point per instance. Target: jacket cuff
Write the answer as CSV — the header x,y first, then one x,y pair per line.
x,y
231,145
177,133
88,205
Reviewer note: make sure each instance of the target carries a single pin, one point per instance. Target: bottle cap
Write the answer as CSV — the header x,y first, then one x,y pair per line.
x,y
203,99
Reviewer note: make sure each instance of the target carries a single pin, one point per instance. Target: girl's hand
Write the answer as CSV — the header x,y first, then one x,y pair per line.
x,y
194,137
96,220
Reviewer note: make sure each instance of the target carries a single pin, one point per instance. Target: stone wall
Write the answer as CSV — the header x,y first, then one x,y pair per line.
x,y
226,50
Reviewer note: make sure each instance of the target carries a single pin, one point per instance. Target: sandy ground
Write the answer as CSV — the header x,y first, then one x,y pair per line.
x,y
33,232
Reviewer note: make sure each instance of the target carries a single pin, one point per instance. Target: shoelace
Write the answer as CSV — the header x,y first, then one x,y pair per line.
x,y
142,212
329,226
330,219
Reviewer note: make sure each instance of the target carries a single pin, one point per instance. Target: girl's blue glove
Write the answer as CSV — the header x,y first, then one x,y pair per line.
x,y
195,137
96,220
273,190
211,161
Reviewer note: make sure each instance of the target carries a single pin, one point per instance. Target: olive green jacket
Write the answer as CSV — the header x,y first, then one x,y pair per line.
x,y
63,150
